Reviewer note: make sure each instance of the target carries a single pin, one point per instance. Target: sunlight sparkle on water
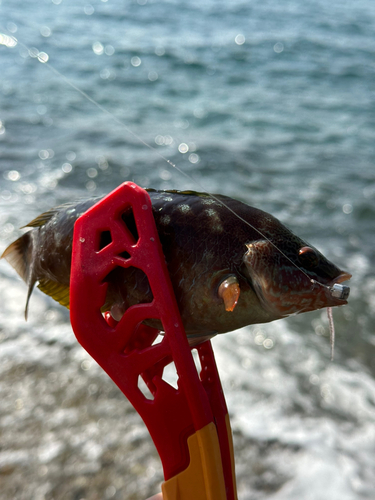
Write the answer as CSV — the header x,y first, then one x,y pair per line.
x,y
165,175
88,10
6,195
107,74
109,50
91,172
66,168
111,490
12,27
13,175
160,51
28,188
33,52
8,228
193,158
278,47
183,148
71,156
44,154
166,140
153,76
183,124
268,343
8,41
347,208
98,48
45,31
41,56
102,162
135,61
41,109
240,39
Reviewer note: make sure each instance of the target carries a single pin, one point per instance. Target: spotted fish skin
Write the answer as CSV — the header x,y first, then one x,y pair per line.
x,y
203,243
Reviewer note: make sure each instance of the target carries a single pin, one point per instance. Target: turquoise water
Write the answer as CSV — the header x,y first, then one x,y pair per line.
x,y
269,102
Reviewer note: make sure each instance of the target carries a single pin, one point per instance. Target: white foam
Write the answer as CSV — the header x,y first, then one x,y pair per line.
x,y
324,411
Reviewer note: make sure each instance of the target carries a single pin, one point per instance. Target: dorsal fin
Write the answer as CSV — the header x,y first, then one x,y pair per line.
x,y
58,292
189,192
176,191
42,219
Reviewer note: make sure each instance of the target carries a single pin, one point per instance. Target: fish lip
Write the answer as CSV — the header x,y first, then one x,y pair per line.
x,y
344,276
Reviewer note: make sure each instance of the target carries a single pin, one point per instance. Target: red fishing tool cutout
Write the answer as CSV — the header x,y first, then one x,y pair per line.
x,y
189,425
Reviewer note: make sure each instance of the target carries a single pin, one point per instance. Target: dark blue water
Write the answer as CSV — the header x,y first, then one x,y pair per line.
x,y
269,102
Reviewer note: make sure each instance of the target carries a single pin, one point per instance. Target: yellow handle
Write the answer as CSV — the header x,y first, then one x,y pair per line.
x,y
203,479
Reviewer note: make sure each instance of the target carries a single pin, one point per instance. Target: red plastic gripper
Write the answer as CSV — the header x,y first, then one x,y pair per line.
x,y
189,425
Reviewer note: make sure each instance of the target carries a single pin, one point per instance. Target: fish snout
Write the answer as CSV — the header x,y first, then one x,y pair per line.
x,y
339,291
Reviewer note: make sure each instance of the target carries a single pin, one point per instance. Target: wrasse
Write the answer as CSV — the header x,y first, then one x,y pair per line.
x,y
230,264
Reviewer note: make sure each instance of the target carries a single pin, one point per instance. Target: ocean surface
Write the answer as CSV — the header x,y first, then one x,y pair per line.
x,y
269,102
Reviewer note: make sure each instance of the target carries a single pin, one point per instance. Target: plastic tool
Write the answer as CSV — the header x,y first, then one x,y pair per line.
x,y
189,425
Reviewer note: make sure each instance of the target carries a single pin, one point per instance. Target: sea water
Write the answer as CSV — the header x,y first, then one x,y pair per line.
x,y
269,102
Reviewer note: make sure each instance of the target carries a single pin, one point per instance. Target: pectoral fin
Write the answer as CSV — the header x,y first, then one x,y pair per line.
x,y
229,291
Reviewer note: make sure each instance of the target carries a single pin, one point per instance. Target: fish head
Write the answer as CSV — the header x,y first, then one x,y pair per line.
x,y
293,279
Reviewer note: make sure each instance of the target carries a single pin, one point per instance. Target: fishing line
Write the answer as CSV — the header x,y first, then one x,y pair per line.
x,y
40,57
331,331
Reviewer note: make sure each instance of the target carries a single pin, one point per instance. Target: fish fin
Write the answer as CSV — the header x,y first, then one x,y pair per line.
x,y
29,292
229,291
186,192
47,216
198,338
58,292
106,307
42,218
189,193
17,254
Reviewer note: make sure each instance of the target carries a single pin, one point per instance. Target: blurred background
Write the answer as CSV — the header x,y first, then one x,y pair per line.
x,y
269,102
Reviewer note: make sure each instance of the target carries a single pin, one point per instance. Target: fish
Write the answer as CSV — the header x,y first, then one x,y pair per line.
x,y
230,264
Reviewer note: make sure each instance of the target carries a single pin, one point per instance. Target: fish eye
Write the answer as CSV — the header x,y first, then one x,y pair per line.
x,y
308,257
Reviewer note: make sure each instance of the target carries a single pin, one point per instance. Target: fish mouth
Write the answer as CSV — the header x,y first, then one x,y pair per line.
x,y
338,292
331,294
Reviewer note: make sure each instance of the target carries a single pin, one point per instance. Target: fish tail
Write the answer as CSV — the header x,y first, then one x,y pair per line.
x,y
19,255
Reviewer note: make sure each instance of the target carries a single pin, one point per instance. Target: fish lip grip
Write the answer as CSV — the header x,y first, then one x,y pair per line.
x,y
189,425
